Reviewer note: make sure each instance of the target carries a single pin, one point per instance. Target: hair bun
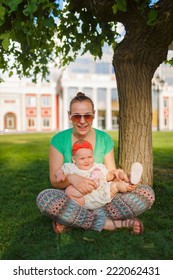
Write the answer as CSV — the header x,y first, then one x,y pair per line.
x,y
80,94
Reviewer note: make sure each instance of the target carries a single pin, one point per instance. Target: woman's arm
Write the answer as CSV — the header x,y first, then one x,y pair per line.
x,y
109,161
56,161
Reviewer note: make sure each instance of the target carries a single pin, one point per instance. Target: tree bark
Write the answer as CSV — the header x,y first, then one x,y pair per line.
x,y
135,117
135,60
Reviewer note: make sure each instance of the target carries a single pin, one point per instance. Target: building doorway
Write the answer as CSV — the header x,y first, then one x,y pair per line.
x,y
10,121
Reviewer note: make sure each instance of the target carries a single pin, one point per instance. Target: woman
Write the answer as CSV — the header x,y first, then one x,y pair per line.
x,y
121,211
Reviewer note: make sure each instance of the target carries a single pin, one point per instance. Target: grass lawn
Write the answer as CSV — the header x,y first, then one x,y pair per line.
x,y
26,234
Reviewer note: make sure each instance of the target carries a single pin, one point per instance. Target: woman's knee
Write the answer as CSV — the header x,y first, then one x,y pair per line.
x,y
48,197
146,192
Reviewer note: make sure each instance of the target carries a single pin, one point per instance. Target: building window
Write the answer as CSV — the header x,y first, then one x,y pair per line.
x,y
114,94
165,122
103,68
31,101
46,123
101,120
31,122
81,65
114,99
101,97
45,101
10,122
115,119
165,102
101,101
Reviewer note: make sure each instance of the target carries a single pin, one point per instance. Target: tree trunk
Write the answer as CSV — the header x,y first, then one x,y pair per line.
x,y
135,116
135,60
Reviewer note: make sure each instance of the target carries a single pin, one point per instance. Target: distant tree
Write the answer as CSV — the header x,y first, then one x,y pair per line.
x,y
29,31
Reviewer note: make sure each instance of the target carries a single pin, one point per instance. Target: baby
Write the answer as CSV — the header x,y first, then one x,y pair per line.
x,y
84,165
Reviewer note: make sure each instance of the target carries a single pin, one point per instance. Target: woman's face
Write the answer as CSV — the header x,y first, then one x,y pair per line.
x,y
82,124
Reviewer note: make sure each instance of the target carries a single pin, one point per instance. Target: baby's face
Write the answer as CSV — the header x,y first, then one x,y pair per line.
x,y
84,158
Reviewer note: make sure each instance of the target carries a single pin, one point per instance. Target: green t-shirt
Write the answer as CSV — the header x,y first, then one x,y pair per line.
x,y
62,141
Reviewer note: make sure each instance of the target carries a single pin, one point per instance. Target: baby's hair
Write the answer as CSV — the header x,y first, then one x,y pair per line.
x,y
81,144
80,97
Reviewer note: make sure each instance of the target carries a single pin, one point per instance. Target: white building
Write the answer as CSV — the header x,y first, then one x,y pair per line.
x,y
29,107
26,107
166,109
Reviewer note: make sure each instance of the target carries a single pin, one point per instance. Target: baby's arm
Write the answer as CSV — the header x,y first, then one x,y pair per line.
x,y
60,176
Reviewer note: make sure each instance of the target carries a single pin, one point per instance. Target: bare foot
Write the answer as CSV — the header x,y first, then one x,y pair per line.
x,y
135,224
137,227
59,228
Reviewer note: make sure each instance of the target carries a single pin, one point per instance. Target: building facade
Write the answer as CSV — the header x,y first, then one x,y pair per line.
x,y
28,107
41,107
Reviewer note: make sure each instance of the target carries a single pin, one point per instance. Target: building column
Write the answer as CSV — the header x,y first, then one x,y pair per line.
x,y
60,111
54,111
23,119
94,98
161,111
65,121
108,110
170,112
38,116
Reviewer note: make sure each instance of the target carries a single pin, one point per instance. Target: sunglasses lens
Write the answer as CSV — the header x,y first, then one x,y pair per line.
x,y
76,118
88,117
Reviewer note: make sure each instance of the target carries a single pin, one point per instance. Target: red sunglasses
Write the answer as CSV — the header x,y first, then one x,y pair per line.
x,y
77,117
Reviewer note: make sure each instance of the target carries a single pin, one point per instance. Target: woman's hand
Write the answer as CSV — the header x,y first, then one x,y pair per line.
x,y
111,176
83,185
120,175
60,177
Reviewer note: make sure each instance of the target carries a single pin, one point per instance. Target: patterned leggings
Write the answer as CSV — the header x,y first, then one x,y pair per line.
x,y
60,208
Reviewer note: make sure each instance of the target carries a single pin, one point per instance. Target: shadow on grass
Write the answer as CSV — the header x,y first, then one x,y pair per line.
x,y
27,235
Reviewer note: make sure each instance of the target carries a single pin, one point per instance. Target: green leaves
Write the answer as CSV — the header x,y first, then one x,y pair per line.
x,y
2,14
5,37
27,30
120,5
37,32
152,17
13,4
30,8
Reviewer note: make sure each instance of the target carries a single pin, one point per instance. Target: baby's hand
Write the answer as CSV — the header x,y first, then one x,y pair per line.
x,y
60,177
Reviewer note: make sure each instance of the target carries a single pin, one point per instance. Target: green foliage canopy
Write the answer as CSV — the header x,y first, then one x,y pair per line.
x,y
34,33
27,36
